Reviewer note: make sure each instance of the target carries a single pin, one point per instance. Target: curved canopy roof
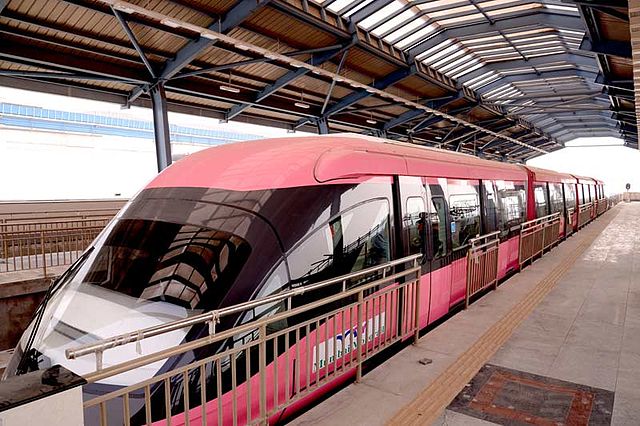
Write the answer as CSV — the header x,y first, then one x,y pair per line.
x,y
503,79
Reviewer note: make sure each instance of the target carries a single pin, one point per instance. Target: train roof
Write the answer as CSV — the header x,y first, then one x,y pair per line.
x,y
312,160
544,175
585,179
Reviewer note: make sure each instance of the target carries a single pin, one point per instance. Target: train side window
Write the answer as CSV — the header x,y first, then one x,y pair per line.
x,y
513,207
540,197
556,199
438,227
490,202
414,225
356,239
465,215
570,195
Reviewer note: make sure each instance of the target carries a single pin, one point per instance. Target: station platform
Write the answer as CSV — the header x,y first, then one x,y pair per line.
x,y
558,343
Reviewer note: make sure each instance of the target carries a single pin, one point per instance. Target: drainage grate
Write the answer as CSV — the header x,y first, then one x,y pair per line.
x,y
511,397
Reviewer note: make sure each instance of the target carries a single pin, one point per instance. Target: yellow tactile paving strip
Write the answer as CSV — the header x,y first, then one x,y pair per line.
x,y
430,403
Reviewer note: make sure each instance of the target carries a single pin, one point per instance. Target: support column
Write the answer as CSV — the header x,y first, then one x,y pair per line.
x,y
323,126
161,126
634,28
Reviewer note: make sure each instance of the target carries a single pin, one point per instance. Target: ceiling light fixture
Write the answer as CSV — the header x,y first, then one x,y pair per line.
x,y
123,9
301,103
209,36
228,87
170,23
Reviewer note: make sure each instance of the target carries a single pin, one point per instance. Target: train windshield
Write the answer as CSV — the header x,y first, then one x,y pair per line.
x,y
142,272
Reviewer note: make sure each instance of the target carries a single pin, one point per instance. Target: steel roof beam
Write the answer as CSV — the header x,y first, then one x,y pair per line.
x,y
412,114
369,10
621,94
618,84
621,49
424,124
358,95
286,79
16,47
546,19
134,41
240,11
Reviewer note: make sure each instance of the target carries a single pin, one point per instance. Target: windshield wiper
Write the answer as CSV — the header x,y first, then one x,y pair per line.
x,y
28,356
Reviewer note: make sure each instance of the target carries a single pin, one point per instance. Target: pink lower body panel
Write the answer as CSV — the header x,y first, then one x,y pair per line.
x,y
508,256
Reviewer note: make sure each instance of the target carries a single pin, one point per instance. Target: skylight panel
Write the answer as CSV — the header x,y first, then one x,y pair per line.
x,y
542,49
513,9
461,19
461,70
488,74
404,30
440,54
438,4
381,15
418,35
338,5
561,7
482,39
452,11
358,7
484,81
551,52
464,59
448,58
438,47
393,22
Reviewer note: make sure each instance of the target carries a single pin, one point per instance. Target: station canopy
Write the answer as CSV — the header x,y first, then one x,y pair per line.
x,y
501,79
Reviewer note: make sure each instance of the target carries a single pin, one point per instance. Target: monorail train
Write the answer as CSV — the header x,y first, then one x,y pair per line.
x,y
241,221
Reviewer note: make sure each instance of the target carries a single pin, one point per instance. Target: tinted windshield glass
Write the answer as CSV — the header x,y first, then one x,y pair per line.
x,y
169,262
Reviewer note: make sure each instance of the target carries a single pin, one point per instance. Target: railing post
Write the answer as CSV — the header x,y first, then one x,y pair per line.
x,y
44,258
469,278
263,373
416,336
520,248
358,339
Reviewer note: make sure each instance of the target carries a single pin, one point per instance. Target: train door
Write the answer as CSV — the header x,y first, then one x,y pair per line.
x,y
413,211
464,209
440,248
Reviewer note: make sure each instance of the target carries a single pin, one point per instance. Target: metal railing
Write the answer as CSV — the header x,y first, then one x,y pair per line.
x,y
46,247
569,222
54,225
603,206
584,214
538,235
289,362
482,264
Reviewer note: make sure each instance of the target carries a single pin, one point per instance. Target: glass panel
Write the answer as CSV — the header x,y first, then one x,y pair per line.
x,y
413,223
355,240
540,196
570,195
438,227
556,198
513,206
490,208
465,215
